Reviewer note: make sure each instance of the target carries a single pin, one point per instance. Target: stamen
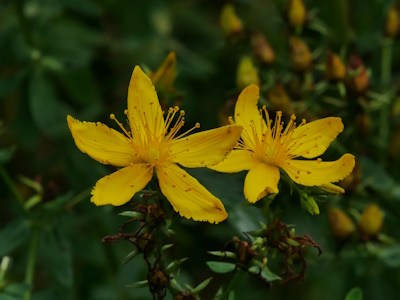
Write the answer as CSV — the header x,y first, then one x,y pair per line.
x,y
197,125
112,117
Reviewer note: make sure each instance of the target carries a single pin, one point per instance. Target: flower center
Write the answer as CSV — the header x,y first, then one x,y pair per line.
x,y
153,155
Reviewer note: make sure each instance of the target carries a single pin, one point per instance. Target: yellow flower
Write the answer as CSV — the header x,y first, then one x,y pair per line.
x,y
265,149
153,144
163,79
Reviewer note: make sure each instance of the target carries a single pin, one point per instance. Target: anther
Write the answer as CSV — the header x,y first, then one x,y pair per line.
x,y
126,112
319,160
182,113
197,125
112,116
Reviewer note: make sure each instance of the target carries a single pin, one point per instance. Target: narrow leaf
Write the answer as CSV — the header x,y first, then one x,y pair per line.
x,y
221,267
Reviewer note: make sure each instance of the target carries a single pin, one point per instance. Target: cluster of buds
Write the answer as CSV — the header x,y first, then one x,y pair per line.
x,y
252,256
369,225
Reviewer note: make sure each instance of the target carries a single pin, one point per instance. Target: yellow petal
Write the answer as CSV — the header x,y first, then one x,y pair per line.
x,y
316,173
248,115
102,143
312,139
143,106
205,148
119,187
188,196
237,161
332,188
261,180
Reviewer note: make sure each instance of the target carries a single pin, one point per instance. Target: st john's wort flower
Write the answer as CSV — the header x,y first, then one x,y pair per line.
x,y
154,145
266,148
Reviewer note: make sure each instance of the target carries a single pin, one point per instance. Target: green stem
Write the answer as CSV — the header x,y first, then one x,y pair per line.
x,y
30,267
78,198
11,186
236,276
386,65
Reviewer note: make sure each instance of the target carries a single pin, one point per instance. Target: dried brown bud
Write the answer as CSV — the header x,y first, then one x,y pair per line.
x,y
300,55
341,225
245,252
262,49
158,280
335,69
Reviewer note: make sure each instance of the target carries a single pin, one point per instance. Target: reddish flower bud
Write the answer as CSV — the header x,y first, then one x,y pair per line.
x,y
358,80
300,55
262,49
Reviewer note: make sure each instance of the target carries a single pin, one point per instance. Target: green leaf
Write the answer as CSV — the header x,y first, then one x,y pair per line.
x,y
221,267
227,254
131,214
59,202
390,256
130,256
201,286
6,154
264,272
166,247
15,291
13,235
58,258
354,294
32,201
138,284
47,112
293,243
173,266
31,183
175,285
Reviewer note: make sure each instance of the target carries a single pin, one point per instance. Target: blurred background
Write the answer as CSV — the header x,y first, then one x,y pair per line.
x,y
327,58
